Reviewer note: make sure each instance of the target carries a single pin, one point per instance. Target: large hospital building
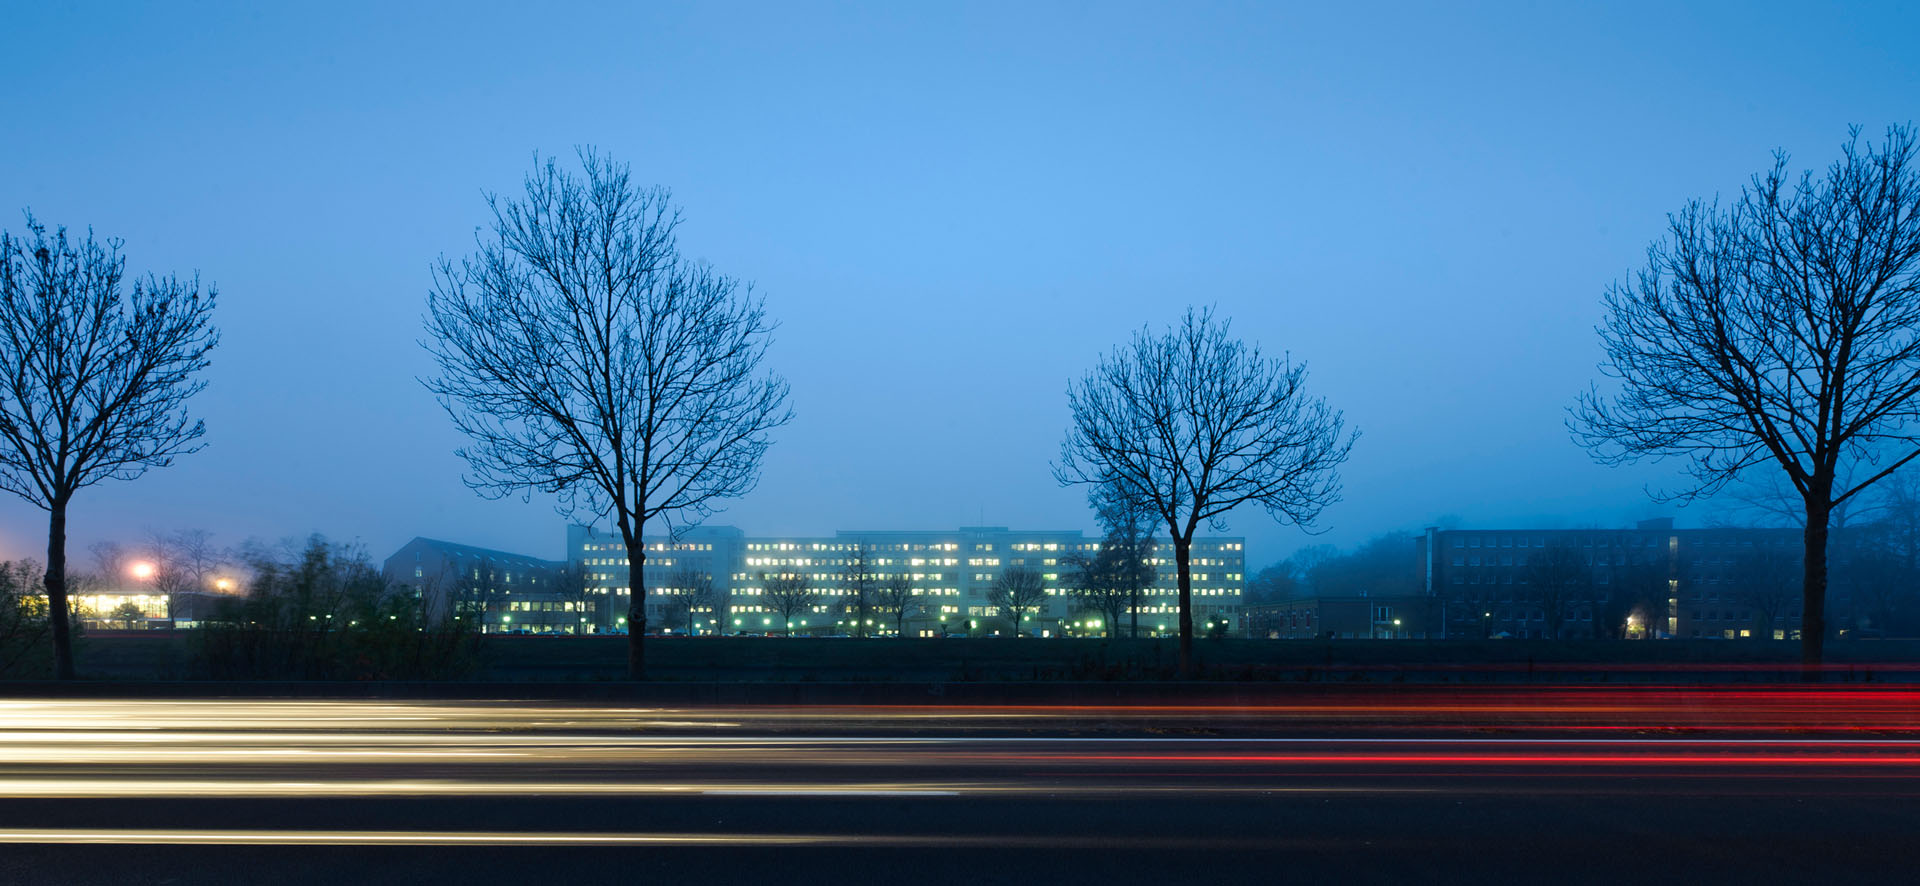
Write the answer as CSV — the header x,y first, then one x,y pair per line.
x,y
951,573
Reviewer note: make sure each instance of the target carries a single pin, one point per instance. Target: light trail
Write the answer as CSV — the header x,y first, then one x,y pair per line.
x,y
1320,742
236,837
519,789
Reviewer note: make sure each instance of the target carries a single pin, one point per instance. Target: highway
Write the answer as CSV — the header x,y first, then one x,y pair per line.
x,y
1430,784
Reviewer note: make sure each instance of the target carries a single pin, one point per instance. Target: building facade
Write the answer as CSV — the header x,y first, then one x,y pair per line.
x,y
1649,581
951,575
1396,617
505,592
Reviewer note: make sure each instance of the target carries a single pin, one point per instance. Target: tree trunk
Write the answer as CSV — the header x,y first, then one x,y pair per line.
x,y
1182,559
1133,632
56,580
636,602
1813,614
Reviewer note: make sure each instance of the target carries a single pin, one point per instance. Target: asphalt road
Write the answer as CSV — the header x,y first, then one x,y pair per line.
x,y
1440,784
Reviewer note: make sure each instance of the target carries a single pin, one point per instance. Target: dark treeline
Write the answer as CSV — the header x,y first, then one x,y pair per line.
x,y
1383,565
323,611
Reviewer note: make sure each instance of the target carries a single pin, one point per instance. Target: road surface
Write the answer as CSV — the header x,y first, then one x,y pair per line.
x,y
1436,784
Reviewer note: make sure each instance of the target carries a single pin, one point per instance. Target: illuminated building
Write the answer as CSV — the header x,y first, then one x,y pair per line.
x,y
951,573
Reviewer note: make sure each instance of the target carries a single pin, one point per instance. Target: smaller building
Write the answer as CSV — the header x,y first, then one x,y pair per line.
x,y
1342,618
120,609
505,592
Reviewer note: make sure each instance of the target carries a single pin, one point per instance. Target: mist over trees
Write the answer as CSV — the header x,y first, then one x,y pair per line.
x,y
584,357
1191,423
1782,329
95,374
1560,581
1383,565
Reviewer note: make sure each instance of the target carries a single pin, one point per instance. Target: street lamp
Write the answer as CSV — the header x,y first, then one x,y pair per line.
x,y
144,571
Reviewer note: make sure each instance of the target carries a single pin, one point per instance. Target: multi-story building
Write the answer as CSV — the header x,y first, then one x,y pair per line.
x,y
507,593
1649,581
951,574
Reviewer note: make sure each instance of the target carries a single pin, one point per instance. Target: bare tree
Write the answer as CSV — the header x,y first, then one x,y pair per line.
x,y
1016,592
1767,579
1778,330
859,590
1098,587
895,596
1110,579
1193,423
585,358
1766,497
676,609
195,554
788,594
1640,581
570,585
110,560
1898,518
709,599
695,589
181,563
94,380
1128,546
1278,581
1559,579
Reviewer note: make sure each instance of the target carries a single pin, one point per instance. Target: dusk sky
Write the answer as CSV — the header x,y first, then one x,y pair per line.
x,y
952,210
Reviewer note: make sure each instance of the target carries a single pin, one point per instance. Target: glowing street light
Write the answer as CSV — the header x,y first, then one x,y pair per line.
x,y
144,571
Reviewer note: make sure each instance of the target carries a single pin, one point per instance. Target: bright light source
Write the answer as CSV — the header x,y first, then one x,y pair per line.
x,y
142,570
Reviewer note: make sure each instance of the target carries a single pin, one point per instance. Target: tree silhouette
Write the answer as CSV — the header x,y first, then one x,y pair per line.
x,y
585,358
1779,330
1192,423
895,596
1016,592
859,590
788,594
94,380
1559,579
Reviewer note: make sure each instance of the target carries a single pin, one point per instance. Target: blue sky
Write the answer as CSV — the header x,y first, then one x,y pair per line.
x,y
952,210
